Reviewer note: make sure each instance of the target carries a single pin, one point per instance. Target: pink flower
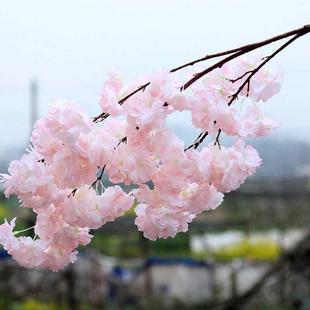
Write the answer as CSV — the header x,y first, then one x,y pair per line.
x,y
181,101
55,259
60,128
254,124
30,253
114,202
172,185
83,209
49,222
213,115
226,119
87,209
26,175
72,170
162,86
161,222
231,166
198,165
69,238
63,127
130,165
32,181
7,237
24,250
109,95
205,198
264,84
144,110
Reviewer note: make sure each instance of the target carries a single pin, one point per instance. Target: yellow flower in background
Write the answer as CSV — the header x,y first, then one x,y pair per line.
x,y
32,304
249,249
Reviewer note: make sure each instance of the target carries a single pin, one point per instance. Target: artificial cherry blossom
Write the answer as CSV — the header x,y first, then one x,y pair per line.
x,y
60,177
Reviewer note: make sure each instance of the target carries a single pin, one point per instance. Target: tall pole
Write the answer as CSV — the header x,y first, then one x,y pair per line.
x,y
33,108
34,90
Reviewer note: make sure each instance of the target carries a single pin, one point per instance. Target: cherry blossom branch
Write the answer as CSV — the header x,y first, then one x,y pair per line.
x,y
93,184
254,71
198,141
250,74
217,138
123,140
244,50
43,186
244,47
236,53
240,77
105,115
99,177
200,138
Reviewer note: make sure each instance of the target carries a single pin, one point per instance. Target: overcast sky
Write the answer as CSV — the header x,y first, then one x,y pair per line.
x,y
68,46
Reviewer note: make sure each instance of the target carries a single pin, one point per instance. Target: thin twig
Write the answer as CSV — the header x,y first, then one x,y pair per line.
x,y
217,139
123,140
244,47
253,72
247,48
240,77
73,192
99,177
105,115
198,141
236,52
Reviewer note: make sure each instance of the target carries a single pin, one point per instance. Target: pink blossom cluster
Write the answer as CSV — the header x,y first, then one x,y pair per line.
x,y
58,177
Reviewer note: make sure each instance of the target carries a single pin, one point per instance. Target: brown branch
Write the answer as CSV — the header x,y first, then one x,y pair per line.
x,y
219,64
93,184
253,72
240,77
207,57
123,140
245,49
99,177
105,115
198,141
200,138
217,139
236,53
233,53
73,192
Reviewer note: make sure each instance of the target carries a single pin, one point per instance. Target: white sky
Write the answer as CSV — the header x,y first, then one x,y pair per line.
x,y
70,45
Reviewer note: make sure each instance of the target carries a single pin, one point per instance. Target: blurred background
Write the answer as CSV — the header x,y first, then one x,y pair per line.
x,y
251,253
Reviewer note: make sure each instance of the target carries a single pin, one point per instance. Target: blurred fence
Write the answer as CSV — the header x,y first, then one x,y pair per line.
x,y
121,271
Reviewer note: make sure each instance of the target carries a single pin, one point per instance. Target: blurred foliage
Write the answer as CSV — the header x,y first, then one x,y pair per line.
x,y
272,307
178,245
3,211
115,245
130,245
9,208
234,214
